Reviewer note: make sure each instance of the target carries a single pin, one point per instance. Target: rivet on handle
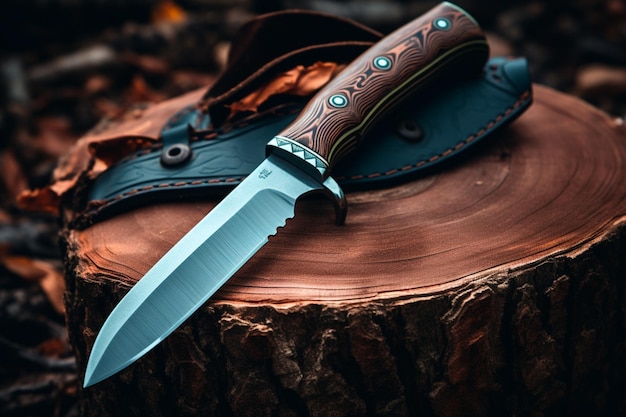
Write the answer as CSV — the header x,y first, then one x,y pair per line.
x,y
338,101
382,63
442,23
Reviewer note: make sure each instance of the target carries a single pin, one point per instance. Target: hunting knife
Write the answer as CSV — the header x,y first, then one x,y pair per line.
x,y
299,161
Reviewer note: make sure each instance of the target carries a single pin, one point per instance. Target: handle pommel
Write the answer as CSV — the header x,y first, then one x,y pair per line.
x,y
445,39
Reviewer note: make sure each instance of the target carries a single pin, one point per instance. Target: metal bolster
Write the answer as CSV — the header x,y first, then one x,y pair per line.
x,y
301,152
317,166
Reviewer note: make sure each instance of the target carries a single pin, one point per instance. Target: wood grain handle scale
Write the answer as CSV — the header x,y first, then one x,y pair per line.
x,y
445,39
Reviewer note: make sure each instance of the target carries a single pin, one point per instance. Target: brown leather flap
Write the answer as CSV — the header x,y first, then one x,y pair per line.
x,y
276,42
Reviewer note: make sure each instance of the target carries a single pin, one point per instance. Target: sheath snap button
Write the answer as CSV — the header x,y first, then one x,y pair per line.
x,y
175,154
410,131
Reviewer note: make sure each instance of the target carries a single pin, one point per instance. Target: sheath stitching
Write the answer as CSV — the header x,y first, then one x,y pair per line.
x,y
104,203
449,151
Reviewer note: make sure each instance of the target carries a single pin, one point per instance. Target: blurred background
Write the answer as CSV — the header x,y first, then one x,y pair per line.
x,y
66,64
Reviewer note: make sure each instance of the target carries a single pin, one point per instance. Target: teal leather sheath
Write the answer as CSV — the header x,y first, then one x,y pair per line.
x,y
427,130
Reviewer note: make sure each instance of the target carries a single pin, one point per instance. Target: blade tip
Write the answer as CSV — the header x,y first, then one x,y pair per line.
x,y
89,381
93,376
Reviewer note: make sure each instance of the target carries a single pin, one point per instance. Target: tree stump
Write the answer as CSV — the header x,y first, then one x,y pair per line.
x,y
494,287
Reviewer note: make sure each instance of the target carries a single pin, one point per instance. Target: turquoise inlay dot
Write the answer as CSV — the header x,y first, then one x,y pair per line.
x,y
338,100
382,63
442,23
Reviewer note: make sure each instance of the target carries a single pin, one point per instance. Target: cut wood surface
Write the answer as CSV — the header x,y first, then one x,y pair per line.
x,y
550,183
494,286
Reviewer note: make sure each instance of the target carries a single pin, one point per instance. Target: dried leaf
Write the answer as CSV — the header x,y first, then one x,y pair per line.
x,y
140,91
187,80
45,199
53,347
49,278
5,217
596,80
168,11
300,81
55,136
107,108
110,151
103,146
98,83
53,284
146,63
13,180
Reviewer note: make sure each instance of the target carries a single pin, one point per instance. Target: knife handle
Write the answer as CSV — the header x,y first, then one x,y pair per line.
x,y
335,120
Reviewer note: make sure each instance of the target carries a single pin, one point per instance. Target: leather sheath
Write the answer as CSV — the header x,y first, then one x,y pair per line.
x,y
432,127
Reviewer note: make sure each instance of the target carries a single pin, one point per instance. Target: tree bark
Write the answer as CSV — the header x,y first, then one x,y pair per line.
x,y
494,287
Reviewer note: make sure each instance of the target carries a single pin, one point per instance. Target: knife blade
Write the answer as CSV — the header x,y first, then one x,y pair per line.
x,y
299,161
